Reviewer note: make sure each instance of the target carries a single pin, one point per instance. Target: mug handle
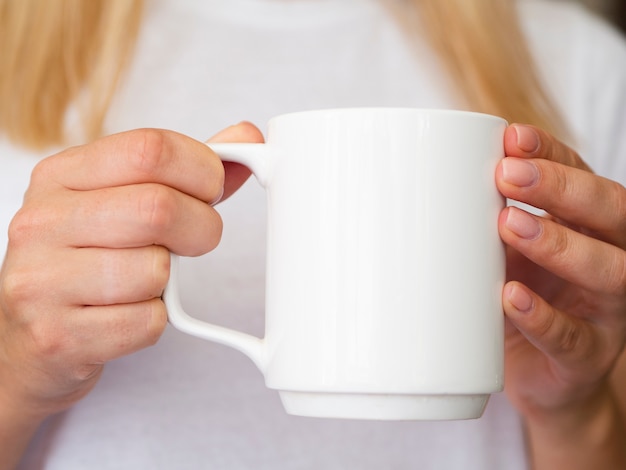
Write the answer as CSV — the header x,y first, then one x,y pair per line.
x,y
256,157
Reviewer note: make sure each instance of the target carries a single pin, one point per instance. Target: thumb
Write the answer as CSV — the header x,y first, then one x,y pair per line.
x,y
235,173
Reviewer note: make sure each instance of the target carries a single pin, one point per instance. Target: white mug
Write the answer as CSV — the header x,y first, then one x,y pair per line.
x,y
384,264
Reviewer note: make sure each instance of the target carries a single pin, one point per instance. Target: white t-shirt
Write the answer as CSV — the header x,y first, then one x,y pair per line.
x,y
202,65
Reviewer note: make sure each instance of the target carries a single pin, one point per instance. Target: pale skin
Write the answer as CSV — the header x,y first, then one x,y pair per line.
x,y
88,260
565,364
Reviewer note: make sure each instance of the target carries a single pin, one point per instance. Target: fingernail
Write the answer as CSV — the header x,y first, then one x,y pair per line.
x,y
527,138
519,172
522,224
519,298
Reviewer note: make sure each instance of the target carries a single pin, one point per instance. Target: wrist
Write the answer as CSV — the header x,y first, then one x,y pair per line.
x,y
586,434
18,424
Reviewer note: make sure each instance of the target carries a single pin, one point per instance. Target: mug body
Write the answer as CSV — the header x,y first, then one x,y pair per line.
x,y
385,267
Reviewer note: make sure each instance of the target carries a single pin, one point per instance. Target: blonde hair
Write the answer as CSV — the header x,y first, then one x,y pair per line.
x,y
483,47
56,53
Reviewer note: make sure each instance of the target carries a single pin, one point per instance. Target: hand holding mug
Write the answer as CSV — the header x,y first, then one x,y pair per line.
x,y
88,256
567,299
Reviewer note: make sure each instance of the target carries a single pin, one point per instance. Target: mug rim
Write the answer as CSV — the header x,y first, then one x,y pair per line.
x,y
388,109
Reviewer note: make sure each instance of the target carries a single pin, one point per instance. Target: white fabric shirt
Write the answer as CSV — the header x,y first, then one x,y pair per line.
x,y
202,65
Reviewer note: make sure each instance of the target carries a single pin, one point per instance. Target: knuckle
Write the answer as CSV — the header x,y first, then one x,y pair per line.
x,y
47,340
17,288
24,226
20,228
544,325
87,372
147,150
157,208
562,336
559,245
47,170
569,338
559,183
42,172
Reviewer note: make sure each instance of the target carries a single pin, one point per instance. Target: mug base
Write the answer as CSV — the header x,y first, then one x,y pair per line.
x,y
383,406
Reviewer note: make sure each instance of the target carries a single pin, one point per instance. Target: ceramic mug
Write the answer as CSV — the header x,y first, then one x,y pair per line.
x,y
384,264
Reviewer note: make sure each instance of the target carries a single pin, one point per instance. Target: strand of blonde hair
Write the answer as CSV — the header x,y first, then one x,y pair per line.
x,y
483,47
56,53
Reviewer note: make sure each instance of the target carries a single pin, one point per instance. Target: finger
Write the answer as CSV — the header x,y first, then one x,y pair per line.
x,y
570,342
587,262
571,194
122,217
134,157
525,141
96,276
236,174
95,335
